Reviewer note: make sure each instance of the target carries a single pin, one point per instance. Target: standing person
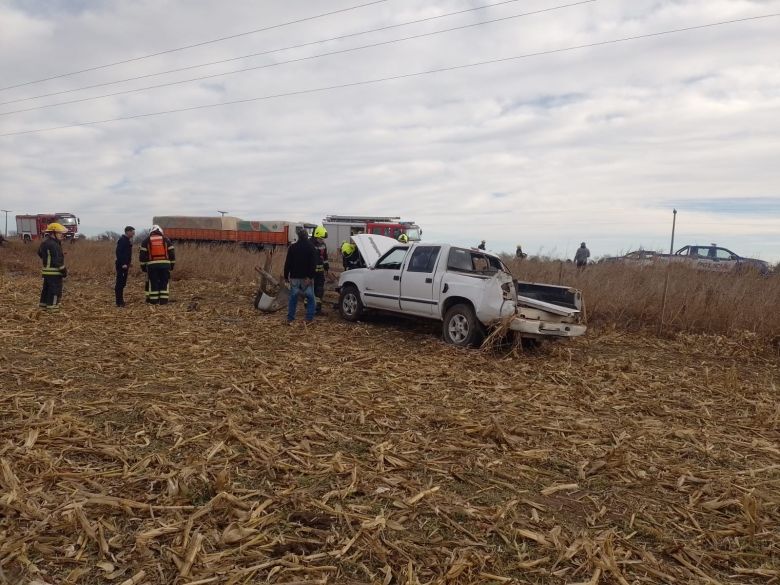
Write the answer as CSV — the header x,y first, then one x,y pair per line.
x,y
53,270
320,234
481,245
157,258
403,239
124,258
300,267
582,255
519,254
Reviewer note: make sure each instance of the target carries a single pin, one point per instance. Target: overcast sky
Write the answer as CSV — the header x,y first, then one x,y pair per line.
x,y
597,144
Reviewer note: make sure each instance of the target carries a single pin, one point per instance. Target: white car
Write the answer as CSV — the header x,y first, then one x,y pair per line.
x,y
469,290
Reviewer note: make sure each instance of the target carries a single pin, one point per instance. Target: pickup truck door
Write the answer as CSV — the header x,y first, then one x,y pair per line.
x,y
417,282
383,281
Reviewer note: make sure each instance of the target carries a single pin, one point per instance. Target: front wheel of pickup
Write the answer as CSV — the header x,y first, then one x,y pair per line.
x,y
461,327
350,305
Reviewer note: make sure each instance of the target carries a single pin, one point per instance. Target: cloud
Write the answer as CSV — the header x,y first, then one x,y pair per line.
x,y
597,144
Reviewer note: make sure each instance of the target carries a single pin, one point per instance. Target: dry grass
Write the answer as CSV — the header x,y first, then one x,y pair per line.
x,y
629,297
621,296
204,443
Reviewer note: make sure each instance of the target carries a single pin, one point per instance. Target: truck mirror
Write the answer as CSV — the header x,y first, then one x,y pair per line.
x,y
78,221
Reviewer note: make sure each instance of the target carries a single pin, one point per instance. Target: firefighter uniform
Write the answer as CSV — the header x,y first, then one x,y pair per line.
x,y
322,265
157,258
350,256
53,271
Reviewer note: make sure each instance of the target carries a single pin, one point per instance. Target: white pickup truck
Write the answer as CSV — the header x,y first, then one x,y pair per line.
x,y
469,290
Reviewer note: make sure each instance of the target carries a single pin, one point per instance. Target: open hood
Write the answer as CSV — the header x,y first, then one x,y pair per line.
x,y
372,247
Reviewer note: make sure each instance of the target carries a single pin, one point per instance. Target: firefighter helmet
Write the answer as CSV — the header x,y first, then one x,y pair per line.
x,y
348,248
56,228
403,238
320,232
156,228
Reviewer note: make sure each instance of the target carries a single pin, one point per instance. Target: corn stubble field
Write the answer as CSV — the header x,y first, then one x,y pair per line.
x,y
203,442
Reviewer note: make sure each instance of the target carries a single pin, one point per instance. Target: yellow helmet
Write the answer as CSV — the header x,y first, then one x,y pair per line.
x,y
320,232
348,248
403,238
57,228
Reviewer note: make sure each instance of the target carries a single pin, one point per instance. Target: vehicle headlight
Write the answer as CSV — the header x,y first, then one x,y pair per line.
x,y
506,290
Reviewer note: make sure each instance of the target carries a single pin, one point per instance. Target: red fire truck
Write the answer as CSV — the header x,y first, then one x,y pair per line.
x,y
32,227
342,227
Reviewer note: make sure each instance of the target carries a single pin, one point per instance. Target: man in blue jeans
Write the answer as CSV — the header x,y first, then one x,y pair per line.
x,y
299,269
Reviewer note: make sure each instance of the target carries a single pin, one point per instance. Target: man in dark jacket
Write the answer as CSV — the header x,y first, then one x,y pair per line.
x,y
124,258
300,267
53,270
581,256
157,258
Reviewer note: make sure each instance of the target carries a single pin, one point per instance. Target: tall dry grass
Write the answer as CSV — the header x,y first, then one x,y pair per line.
x,y
627,297
630,296
93,259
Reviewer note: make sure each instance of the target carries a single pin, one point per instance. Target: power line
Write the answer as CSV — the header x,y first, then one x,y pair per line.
x,y
394,77
194,45
298,60
268,52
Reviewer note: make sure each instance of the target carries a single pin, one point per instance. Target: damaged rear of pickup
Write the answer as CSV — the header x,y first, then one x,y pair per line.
x,y
470,291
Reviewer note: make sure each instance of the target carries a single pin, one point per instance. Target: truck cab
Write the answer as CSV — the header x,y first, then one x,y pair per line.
x,y
470,291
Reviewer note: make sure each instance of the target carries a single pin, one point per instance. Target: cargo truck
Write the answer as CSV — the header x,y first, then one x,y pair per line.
x,y
226,229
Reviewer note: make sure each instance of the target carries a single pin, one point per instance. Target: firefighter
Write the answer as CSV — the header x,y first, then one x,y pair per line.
x,y
350,256
403,238
53,271
157,258
318,240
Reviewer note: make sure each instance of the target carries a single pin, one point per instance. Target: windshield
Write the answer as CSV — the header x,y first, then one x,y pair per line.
x,y
464,260
66,220
413,234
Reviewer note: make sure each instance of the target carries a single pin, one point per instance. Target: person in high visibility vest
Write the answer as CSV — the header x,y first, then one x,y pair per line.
x,y
318,241
53,271
157,258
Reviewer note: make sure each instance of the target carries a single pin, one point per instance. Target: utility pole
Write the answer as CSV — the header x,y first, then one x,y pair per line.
x,y
6,211
666,284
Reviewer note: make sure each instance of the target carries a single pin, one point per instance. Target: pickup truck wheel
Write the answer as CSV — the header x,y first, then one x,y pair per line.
x,y
350,305
461,327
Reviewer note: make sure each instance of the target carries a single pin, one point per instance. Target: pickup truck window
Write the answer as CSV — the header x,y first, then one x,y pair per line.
x,y
724,254
392,260
464,260
423,259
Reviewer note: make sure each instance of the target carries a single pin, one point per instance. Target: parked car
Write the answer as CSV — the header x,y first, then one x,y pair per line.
x,y
637,257
714,257
469,290
709,257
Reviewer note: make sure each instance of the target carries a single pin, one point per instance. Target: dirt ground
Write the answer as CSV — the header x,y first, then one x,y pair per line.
x,y
203,442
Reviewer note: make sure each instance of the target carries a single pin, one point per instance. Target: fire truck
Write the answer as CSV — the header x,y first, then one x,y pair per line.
x,y
342,227
32,227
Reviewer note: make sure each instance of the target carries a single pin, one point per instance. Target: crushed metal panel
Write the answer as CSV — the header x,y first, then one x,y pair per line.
x,y
549,307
